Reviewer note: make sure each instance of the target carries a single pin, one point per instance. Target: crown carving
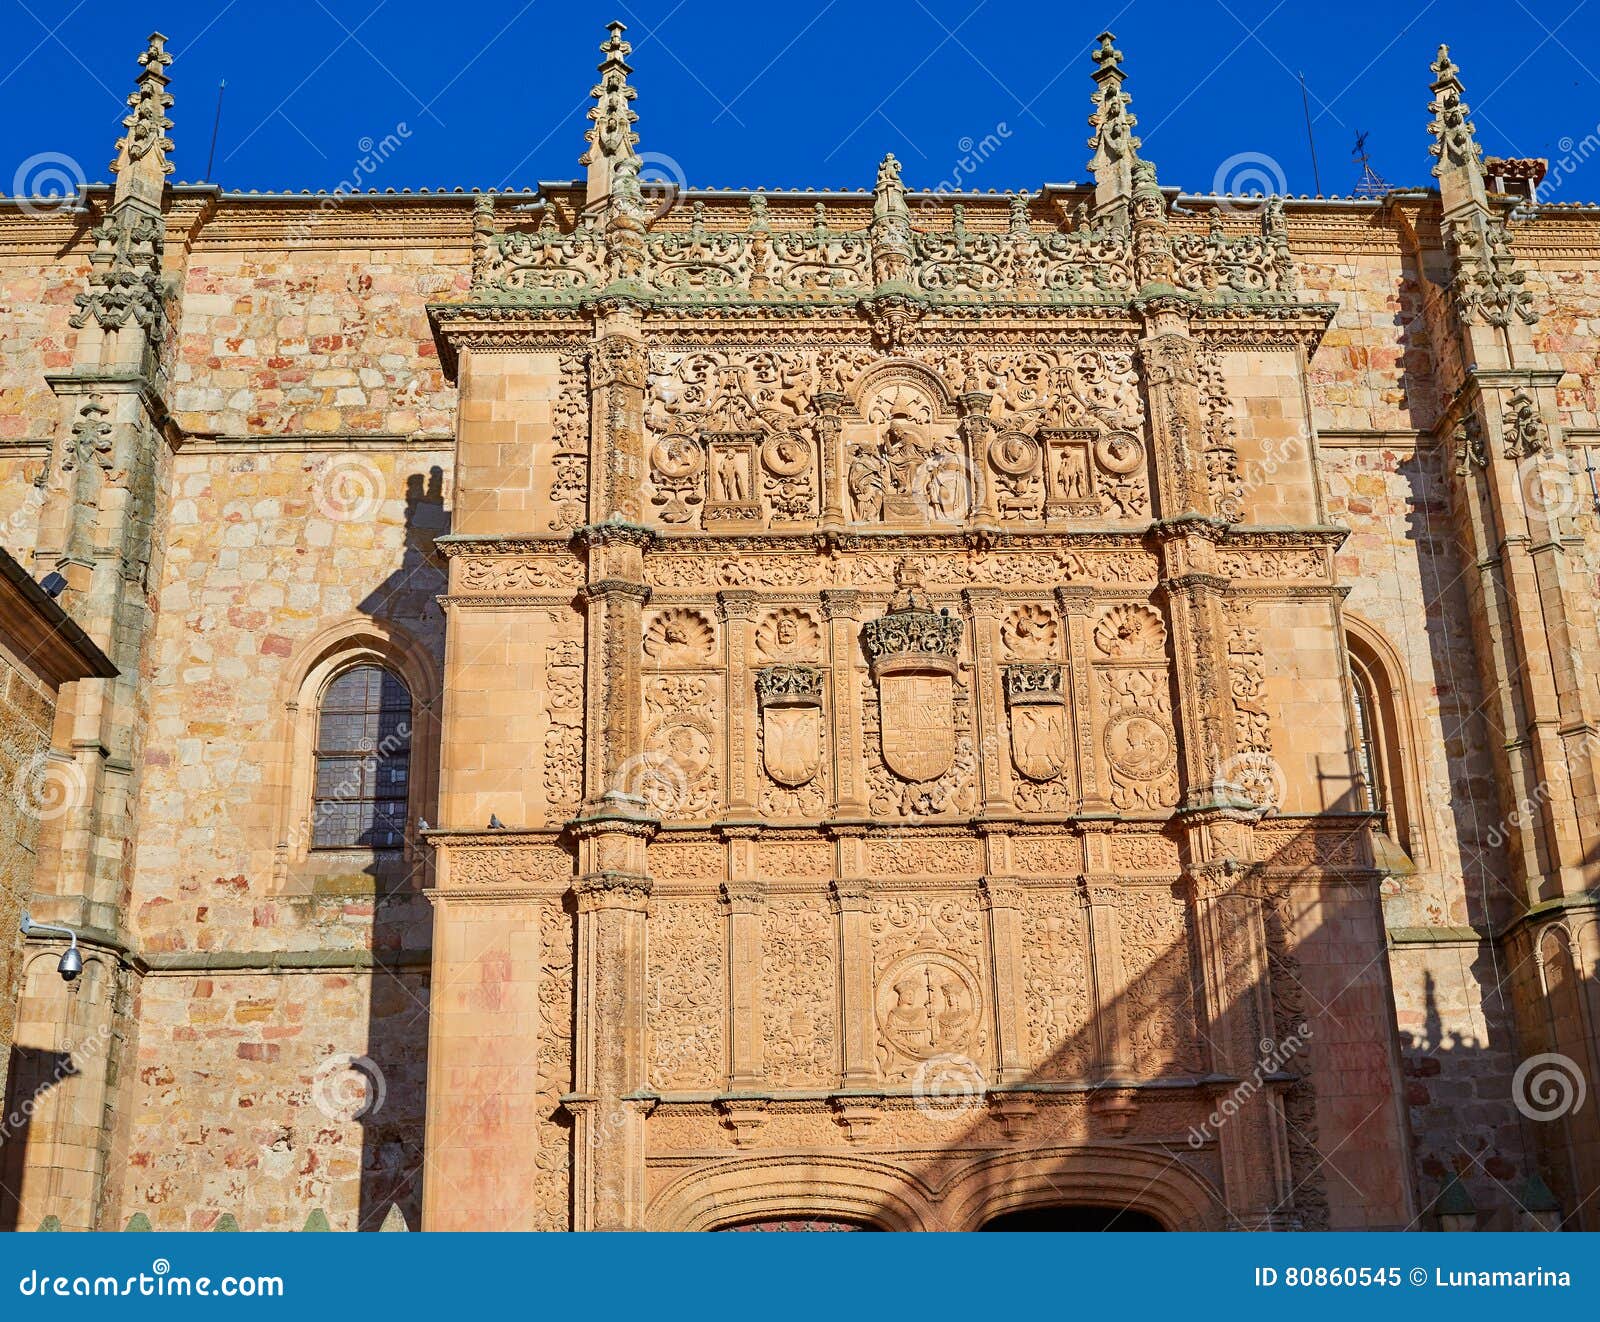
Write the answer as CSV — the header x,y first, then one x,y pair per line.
x,y
911,635
789,686
1033,683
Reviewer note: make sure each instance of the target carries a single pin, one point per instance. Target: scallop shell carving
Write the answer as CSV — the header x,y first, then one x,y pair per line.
x,y
789,634
1130,630
1030,631
679,637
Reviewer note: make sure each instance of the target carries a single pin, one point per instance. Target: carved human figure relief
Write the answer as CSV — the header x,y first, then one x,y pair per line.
x,y
1030,633
679,637
789,634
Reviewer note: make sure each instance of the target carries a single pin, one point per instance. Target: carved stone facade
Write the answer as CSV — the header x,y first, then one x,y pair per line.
x,y
902,752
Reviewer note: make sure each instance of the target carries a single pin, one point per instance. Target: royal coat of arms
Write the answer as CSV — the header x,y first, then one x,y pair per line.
x,y
912,648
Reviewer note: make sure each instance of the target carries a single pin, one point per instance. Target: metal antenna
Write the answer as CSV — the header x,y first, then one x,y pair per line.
x,y
1305,102
215,125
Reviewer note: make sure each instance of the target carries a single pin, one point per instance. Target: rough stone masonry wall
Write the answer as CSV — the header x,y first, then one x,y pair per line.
x,y
26,711
315,504
1374,400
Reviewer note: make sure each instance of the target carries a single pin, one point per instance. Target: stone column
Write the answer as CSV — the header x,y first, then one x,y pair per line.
x,y
1077,612
841,608
1113,1057
1004,904
983,606
852,899
746,900
1237,1033
830,463
737,611
975,428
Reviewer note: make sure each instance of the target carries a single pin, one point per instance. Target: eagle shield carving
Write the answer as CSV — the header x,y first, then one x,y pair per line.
x,y
791,722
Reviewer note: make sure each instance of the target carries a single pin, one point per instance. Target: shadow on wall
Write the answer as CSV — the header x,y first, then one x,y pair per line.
x,y
1134,1151
35,1073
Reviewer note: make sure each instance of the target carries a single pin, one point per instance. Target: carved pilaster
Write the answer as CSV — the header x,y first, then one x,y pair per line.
x,y
1177,422
842,610
737,609
1237,1033
610,1050
1113,1057
617,469
984,607
827,426
1077,608
745,897
852,901
975,428
1004,905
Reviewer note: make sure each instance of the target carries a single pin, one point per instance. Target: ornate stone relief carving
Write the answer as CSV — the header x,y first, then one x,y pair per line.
x,y
680,776
798,993
1130,630
912,650
554,1160
1036,707
1255,771
687,1000
681,637
789,635
1525,432
1137,738
1056,972
1030,633
929,996
1222,455
569,485
563,741
124,272
790,698
1161,995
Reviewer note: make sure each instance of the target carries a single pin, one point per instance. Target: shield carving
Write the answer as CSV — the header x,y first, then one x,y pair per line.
x,y
918,724
1039,740
791,743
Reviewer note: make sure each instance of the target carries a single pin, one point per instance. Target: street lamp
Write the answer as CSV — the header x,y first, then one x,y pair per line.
x,y
71,962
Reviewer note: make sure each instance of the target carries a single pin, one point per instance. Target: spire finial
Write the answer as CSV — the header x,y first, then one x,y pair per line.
x,y
1455,145
612,139
141,153
1115,147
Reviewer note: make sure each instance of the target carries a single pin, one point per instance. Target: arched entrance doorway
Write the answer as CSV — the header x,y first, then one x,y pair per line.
x,y
801,1224
1072,1219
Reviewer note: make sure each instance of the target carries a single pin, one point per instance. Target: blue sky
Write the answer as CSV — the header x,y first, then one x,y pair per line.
x,y
796,95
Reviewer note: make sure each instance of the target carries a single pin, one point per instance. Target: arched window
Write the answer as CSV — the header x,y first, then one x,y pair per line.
x,y
363,761
1367,742
1385,740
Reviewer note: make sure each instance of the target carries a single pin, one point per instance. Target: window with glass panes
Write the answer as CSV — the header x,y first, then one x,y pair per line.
x,y
363,761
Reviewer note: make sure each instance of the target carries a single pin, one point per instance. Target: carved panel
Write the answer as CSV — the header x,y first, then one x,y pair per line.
x,y
1056,979
563,741
799,993
554,1160
1157,964
1137,738
685,987
681,771
929,997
